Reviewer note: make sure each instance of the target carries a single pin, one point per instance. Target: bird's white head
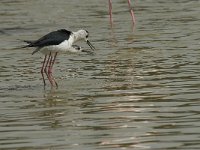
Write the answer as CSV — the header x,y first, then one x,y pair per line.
x,y
83,35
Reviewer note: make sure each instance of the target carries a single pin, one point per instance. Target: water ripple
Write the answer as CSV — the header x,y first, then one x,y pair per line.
x,y
139,90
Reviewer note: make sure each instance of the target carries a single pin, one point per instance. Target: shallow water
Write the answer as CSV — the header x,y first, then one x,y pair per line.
x,y
140,90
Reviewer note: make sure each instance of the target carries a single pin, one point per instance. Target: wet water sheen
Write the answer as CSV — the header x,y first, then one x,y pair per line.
x,y
140,90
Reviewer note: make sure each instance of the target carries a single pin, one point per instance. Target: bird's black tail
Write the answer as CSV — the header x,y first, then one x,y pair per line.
x,y
29,44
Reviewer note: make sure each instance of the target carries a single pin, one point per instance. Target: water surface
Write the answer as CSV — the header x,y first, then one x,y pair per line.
x,y
140,90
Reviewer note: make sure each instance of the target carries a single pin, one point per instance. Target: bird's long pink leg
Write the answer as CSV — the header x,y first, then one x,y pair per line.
x,y
49,71
110,12
131,12
42,70
52,61
46,70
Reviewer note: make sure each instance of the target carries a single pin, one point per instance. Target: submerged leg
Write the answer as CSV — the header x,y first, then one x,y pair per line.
x,y
51,67
42,70
50,70
46,70
54,59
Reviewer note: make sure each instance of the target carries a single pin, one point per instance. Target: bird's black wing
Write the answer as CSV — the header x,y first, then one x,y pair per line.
x,y
52,38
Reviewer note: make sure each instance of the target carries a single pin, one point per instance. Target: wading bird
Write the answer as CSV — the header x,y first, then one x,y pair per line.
x,y
56,42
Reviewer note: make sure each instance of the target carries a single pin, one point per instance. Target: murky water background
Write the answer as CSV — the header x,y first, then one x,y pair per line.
x,y
140,90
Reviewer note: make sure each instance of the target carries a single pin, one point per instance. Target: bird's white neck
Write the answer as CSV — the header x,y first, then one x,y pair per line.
x,y
73,38
77,36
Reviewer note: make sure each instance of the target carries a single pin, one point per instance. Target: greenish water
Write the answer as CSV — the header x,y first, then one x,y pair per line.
x,y
140,90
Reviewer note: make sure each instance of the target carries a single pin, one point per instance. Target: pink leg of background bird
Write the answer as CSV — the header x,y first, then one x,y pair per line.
x,y
110,12
131,12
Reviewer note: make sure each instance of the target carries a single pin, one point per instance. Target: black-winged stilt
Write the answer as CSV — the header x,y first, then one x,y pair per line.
x,y
55,42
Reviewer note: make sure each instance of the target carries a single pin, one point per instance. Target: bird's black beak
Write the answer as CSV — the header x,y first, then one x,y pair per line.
x,y
91,46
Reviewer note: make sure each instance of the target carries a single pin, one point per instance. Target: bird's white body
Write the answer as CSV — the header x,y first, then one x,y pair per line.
x,y
66,46
61,48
